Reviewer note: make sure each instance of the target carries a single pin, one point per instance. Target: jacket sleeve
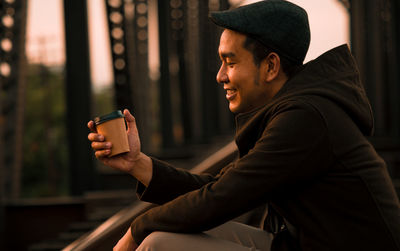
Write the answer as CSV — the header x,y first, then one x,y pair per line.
x,y
293,149
169,182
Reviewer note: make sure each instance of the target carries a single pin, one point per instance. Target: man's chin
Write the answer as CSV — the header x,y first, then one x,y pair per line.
x,y
234,109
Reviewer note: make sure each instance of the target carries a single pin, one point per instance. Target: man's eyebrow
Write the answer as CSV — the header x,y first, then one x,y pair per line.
x,y
228,55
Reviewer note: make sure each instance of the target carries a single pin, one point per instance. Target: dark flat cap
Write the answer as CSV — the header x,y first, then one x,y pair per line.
x,y
278,24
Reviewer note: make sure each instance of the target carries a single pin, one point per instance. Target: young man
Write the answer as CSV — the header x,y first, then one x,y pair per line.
x,y
301,138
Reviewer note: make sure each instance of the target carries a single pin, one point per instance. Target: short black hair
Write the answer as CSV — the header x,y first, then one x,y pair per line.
x,y
260,51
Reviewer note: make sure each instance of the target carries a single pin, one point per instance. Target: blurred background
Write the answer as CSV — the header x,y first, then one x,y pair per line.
x,y
64,62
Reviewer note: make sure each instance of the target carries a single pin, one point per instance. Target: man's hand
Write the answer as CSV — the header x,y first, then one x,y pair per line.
x,y
126,243
133,162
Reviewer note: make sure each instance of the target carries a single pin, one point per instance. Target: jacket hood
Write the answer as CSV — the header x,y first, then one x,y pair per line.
x,y
333,75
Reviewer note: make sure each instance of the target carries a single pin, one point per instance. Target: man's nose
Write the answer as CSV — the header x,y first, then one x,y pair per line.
x,y
222,77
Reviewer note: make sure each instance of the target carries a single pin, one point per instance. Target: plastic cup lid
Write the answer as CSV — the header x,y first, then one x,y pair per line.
x,y
107,117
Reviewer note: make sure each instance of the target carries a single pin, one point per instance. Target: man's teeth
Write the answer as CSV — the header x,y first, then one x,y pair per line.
x,y
230,91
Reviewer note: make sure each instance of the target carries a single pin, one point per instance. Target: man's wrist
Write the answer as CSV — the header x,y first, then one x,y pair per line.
x,y
142,169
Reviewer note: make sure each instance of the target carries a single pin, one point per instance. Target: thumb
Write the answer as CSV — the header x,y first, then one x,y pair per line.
x,y
130,120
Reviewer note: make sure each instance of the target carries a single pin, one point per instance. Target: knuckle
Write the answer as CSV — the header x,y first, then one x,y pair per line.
x,y
93,136
101,153
98,145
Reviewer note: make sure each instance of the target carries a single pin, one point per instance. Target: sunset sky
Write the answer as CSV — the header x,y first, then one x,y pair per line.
x,y
329,22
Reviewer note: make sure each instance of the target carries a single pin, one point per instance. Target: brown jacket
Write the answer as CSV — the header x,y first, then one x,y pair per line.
x,y
305,153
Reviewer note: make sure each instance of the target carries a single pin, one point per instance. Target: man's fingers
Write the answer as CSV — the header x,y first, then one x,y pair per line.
x,y
128,116
101,145
95,137
102,153
91,126
130,120
102,149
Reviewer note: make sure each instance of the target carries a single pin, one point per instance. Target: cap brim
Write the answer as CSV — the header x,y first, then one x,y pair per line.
x,y
228,20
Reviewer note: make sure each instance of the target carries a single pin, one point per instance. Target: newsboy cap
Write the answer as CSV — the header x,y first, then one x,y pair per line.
x,y
277,24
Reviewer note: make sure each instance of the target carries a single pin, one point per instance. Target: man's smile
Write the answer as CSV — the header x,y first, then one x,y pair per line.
x,y
230,93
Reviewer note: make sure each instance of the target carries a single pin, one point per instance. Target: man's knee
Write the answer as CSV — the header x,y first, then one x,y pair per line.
x,y
156,241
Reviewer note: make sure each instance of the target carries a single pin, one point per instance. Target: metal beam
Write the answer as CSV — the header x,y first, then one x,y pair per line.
x,y
375,39
137,30
116,25
78,92
165,84
12,73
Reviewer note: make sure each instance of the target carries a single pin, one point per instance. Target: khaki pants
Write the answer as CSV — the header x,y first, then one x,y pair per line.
x,y
231,236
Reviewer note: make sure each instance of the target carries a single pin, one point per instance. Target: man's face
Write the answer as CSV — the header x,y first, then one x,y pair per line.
x,y
241,77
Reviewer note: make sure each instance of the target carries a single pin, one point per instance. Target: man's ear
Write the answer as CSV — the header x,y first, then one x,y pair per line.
x,y
272,66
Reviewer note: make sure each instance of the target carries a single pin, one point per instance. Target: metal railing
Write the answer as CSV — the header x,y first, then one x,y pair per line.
x,y
105,236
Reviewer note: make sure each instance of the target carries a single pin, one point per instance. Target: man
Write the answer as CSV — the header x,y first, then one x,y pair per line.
x,y
301,138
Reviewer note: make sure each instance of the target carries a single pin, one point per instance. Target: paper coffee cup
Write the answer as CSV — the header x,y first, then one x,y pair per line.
x,y
112,127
